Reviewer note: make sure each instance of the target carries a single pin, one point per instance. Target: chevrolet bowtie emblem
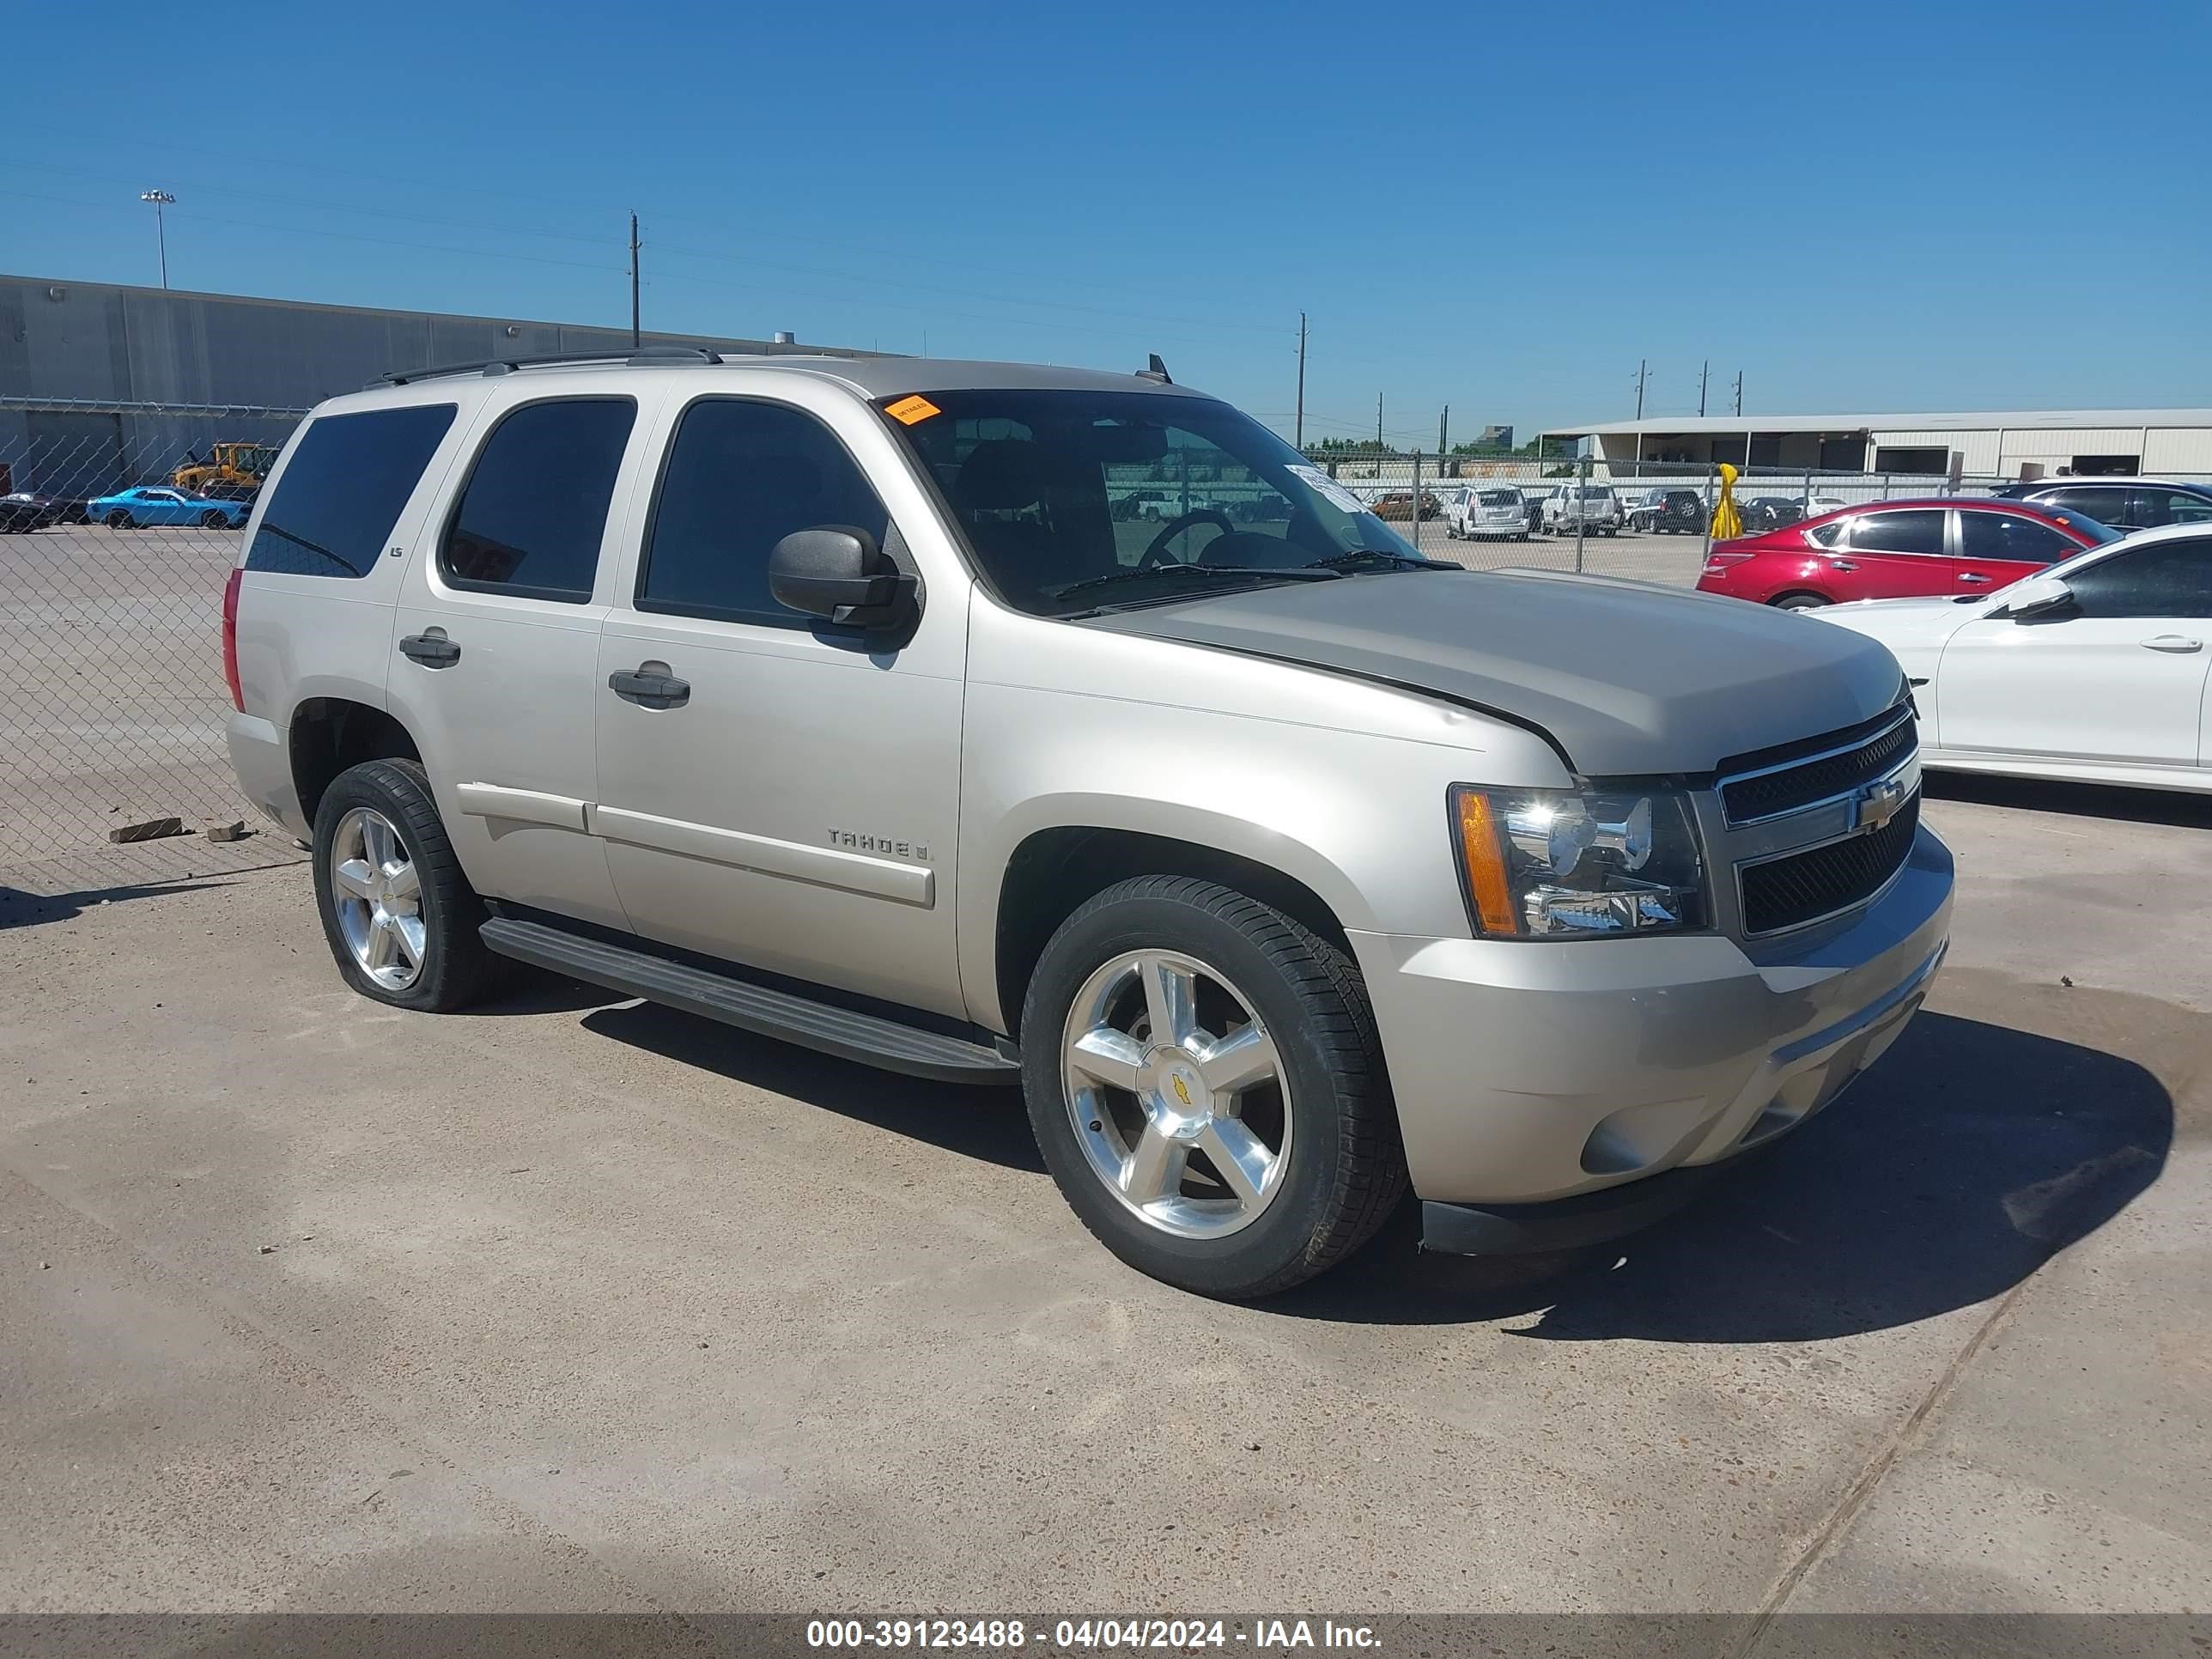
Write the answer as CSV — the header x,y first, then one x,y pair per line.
x,y
1877,805
1182,1092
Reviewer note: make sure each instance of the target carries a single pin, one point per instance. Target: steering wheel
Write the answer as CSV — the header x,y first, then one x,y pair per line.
x,y
1157,551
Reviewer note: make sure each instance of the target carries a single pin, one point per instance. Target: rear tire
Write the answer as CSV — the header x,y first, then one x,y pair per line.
x,y
214,521
382,861
1303,1105
1798,602
117,520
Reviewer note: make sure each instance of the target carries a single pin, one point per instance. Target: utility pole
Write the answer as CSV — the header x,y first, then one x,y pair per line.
x,y
1444,436
633,280
1738,410
1642,364
1704,369
1379,421
1739,391
1298,433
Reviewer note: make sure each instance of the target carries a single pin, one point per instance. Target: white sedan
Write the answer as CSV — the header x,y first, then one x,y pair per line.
x,y
2094,668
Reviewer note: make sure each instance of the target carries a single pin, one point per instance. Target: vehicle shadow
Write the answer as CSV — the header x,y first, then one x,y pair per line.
x,y
1971,1155
2099,800
987,1124
20,909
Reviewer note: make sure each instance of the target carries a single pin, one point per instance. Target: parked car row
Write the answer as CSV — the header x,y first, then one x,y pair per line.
x,y
126,509
24,510
2039,638
1893,550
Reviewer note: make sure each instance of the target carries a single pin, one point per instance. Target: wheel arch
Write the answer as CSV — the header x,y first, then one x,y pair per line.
x,y
328,735
1053,870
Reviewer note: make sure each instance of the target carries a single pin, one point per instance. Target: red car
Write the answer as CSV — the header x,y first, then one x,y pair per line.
x,y
1898,549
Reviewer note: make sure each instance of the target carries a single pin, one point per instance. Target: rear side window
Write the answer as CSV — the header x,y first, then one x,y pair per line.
x,y
2105,505
1920,531
344,489
741,477
2001,536
534,510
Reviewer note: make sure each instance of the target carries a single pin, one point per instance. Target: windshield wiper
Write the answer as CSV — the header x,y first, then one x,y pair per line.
x,y
1210,572
1374,558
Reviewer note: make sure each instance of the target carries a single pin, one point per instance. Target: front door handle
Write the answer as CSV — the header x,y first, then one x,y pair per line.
x,y
431,650
650,685
2178,643
1971,576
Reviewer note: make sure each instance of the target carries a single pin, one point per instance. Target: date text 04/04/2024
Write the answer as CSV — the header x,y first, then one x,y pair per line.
x,y
1167,1635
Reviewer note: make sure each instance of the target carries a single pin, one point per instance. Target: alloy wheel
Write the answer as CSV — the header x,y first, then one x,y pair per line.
x,y
378,897
1177,1094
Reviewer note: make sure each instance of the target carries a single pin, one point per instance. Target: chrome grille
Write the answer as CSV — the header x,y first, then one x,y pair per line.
x,y
1825,769
1802,887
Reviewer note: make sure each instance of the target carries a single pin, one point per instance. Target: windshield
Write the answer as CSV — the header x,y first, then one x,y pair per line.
x,y
1058,491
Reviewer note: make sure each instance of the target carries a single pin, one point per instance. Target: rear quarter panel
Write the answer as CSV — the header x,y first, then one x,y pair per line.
x,y
304,637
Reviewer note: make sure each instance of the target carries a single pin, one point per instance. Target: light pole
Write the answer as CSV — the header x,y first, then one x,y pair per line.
x,y
160,198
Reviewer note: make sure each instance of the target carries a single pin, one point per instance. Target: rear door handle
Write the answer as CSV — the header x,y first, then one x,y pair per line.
x,y
1971,576
2177,643
1843,564
431,650
650,685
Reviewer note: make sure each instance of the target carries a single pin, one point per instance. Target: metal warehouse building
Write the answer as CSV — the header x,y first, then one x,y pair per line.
x,y
1997,444
83,366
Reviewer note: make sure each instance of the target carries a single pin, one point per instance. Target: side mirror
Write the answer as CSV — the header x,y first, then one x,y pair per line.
x,y
838,573
2036,596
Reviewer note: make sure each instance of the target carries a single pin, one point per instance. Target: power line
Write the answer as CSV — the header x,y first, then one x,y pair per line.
x,y
305,230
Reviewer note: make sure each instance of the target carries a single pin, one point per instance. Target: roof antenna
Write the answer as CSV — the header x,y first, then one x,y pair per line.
x,y
1155,370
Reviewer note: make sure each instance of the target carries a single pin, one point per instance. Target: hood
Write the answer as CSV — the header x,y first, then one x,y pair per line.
x,y
1623,676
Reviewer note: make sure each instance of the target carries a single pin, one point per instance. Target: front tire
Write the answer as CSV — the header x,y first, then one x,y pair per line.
x,y
1206,1086
117,520
400,917
214,521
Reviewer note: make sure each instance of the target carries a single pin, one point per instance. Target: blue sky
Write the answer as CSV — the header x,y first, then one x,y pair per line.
x,y
1882,206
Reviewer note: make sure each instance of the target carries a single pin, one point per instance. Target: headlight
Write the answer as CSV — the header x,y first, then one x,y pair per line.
x,y
1559,864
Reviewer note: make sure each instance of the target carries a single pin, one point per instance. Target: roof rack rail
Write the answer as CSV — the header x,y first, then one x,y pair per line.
x,y
640,357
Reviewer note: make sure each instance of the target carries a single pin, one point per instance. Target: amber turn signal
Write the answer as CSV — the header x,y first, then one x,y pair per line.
x,y
1482,854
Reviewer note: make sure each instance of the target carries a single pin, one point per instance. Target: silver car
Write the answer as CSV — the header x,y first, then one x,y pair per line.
x,y
1282,869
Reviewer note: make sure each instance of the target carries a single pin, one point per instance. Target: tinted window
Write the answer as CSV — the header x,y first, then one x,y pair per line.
x,y
343,490
2001,536
2107,506
2155,506
535,506
2173,578
1825,535
740,477
1920,531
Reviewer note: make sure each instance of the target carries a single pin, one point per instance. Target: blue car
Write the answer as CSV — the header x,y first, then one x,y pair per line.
x,y
128,509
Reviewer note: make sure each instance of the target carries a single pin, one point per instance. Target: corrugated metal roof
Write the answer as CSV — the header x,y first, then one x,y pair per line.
x,y
1968,421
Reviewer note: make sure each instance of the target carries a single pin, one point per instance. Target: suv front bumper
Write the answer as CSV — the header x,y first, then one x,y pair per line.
x,y
1568,1075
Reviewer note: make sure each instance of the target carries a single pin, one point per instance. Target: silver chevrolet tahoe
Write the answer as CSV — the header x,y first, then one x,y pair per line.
x,y
842,701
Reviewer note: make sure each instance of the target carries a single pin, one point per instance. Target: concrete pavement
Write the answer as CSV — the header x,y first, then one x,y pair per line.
x,y
580,1305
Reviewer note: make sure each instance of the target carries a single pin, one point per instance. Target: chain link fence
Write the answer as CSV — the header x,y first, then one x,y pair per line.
x,y
120,526
122,522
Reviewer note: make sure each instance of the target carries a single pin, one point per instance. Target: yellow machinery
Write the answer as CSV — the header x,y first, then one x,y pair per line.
x,y
234,467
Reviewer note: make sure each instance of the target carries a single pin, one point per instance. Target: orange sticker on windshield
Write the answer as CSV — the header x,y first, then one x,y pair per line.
x,y
906,411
